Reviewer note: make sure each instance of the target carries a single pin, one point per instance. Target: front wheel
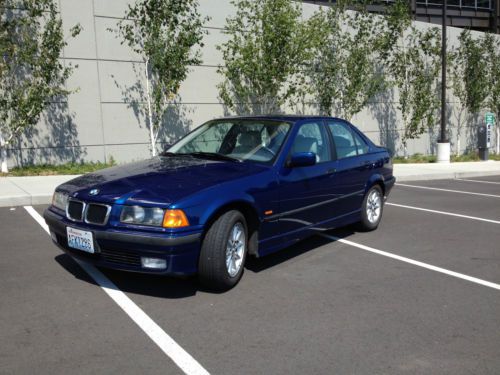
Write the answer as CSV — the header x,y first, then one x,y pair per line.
x,y
372,208
223,252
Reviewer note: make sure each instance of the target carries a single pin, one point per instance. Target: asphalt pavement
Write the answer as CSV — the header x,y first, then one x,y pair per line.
x,y
421,294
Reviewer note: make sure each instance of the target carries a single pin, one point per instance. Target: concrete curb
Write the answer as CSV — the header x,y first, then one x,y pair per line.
x,y
445,176
29,190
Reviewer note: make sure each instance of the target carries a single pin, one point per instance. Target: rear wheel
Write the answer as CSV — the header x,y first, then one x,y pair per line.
x,y
371,211
223,252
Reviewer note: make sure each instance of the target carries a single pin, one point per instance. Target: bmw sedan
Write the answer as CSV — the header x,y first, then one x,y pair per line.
x,y
232,188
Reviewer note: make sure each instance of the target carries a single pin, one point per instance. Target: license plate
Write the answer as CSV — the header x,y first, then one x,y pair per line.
x,y
80,239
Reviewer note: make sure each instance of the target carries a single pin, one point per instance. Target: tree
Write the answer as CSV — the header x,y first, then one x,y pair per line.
x,y
469,76
31,73
264,56
166,34
492,47
412,64
345,74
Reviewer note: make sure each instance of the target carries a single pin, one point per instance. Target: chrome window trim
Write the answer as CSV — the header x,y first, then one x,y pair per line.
x,y
106,217
83,210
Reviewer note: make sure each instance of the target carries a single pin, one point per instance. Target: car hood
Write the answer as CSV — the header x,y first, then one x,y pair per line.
x,y
160,180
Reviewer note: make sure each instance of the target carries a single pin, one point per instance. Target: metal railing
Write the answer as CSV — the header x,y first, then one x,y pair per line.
x,y
462,4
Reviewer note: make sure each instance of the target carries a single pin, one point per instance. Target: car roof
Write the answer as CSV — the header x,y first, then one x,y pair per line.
x,y
281,117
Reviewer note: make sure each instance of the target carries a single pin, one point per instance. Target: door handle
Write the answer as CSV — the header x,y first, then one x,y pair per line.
x,y
330,171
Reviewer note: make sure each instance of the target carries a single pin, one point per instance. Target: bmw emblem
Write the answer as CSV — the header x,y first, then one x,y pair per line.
x,y
94,192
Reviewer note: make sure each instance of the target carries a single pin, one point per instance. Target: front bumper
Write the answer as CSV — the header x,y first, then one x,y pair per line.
x,y
122,250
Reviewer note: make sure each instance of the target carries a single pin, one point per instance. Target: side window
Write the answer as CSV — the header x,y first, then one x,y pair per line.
x,y
343,138
311,137
360,143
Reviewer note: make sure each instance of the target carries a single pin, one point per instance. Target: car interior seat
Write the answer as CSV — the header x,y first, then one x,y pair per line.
x,y
344,147
247,141
306,144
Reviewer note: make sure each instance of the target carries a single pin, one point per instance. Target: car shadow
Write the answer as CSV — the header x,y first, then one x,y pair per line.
x,y
137,283
183,287
307,245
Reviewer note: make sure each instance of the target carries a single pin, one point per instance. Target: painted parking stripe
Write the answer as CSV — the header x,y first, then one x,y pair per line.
x,y
173,350
443,213
480,181
414,262
450,191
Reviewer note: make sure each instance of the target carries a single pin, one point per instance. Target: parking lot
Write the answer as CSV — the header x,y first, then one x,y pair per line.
x,y
419,295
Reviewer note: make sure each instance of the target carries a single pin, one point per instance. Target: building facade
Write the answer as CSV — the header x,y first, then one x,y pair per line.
x,y
100,121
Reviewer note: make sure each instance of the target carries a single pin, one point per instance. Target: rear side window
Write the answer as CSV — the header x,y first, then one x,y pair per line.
x,y
360,143
343,139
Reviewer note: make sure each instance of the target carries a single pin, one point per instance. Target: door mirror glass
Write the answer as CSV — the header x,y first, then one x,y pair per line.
x,y
302,159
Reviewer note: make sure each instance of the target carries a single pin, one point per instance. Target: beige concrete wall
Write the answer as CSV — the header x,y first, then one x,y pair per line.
x,y
98,121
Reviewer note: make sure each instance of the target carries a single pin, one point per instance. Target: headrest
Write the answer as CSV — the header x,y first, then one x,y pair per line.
x,y
304,144
341,141
250,138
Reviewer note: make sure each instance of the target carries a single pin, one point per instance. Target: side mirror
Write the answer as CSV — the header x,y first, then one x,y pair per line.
x,y
301,159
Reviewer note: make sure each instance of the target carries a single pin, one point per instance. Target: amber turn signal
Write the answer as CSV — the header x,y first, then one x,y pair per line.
x,y
175,219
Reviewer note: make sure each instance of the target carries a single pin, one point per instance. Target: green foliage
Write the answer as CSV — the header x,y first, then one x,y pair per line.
x,y
413,65
415,158
492,57
346,73
31,74
469,78
68,168
264,56
420,158
166,33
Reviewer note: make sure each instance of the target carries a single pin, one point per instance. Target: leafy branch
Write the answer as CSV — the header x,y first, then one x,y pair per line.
x,y
31,73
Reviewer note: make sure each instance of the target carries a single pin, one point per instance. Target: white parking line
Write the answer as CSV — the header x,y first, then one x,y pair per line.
x,y
449,190
414,262
443,213
483,182
173,350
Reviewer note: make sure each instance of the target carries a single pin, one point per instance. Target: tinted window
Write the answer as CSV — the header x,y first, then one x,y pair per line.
x,y
343,138
311,137
360,143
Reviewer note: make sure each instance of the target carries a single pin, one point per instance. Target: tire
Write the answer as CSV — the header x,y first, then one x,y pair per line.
x,y
222,257
372,209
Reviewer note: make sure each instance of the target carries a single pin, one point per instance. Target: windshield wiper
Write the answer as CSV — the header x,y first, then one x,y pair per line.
x,y
214,155
166,153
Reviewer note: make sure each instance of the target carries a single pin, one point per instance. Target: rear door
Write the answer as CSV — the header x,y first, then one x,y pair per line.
x,y
351,166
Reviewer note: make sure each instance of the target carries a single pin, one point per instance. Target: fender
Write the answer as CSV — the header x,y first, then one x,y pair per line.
x,y
227,201
374,179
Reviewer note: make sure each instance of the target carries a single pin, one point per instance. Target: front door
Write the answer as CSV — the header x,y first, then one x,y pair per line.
x,y
306,193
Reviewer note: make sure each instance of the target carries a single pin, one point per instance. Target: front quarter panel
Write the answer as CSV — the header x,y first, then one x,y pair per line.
x,y
258,191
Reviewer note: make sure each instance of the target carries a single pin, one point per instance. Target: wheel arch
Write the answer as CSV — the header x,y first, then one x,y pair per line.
x,y
251,217
376,179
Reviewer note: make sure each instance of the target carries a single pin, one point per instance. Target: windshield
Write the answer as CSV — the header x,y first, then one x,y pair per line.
x,y
255,140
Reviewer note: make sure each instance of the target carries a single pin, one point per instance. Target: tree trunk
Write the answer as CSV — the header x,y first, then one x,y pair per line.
x,y
3,155
152,137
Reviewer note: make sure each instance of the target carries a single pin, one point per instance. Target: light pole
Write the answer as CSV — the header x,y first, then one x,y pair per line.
x,y
443,149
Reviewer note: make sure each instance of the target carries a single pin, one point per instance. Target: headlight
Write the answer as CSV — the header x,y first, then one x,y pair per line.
x,y
153,216
59,200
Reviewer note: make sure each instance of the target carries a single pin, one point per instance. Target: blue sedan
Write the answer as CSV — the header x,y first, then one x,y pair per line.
x,y
231,188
